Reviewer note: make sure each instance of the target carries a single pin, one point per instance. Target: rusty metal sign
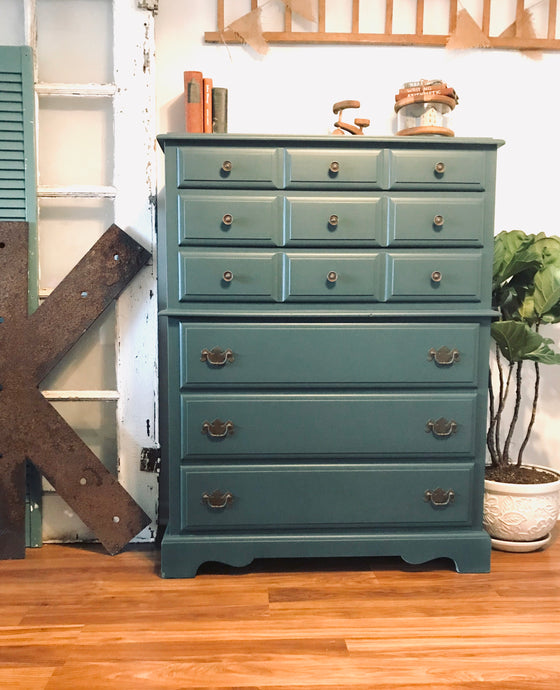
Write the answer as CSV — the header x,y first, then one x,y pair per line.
x,y
30,428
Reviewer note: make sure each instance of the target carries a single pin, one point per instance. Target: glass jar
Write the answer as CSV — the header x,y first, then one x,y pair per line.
x,y
425,114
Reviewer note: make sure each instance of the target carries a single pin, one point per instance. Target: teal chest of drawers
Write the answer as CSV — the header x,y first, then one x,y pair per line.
x,y
324,313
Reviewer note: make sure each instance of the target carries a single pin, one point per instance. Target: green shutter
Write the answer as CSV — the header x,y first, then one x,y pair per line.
x,y
17,149
18,199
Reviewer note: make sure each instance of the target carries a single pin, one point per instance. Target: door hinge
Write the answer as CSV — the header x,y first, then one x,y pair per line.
x,y
150,459
151,5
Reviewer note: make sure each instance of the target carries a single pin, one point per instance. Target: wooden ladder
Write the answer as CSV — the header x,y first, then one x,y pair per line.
x,y
355,36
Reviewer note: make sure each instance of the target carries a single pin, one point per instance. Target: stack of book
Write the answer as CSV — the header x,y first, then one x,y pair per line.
x,y
420,90
205,104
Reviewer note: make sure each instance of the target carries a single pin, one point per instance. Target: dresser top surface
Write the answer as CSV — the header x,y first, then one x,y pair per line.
x,y
185,139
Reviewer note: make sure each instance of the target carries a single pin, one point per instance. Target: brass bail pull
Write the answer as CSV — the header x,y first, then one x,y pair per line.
x,y
444,356
218,499
441,428
439,496
216,356
217,429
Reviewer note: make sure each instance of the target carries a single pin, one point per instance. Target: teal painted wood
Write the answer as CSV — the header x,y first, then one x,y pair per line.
x,y
436,277
230,218
182,554
259,275
333,354
327,425
227,167
437,220
343,220
230,276
334,167
18,202
301,496
335,276
324,386
336,220
17,152
437,169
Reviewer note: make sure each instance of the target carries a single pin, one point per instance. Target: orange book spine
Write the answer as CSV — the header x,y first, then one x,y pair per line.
x,y
207,99
194,106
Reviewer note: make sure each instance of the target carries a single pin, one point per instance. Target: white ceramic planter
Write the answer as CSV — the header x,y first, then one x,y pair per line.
x,y
521,512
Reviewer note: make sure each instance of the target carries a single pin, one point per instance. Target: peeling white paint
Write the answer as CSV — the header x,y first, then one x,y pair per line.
x,y
132,192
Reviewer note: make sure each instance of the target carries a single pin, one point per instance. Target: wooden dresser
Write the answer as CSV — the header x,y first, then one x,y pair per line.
x,y
324,334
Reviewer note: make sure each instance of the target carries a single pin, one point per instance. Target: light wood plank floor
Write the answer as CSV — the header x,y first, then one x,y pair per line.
x,y
72,617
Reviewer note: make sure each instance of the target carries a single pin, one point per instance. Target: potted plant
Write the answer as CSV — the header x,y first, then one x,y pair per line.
x,y
521,503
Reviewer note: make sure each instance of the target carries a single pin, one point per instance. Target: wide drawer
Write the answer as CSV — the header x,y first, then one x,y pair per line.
x,y
433,169
441,276
346,219
334,167
212,217
328,424
287,496
323,276
230,166
437,219
333,354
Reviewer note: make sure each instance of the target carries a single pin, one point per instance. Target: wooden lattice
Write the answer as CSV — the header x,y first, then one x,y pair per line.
x,y
518,40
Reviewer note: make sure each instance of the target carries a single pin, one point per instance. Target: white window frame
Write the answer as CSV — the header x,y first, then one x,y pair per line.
x,y
133,192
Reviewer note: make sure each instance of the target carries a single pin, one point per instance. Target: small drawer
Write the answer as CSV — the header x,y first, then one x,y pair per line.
x,y
229,275
444,276
225,166
447,169
335,277
336,220
215,218
287,496
324,424
437,220
336,354
334,167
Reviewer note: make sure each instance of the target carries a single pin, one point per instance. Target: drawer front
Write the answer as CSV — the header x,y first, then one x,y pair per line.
x,y
334,167
228,275
444,219
444,276
229,219
289,496
336,220
247,425
328,354
230,166
438,169
335,277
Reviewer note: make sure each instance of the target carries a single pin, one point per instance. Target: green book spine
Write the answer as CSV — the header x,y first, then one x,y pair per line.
x,y
219,109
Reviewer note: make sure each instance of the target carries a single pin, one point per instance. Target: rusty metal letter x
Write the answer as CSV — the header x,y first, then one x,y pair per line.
x,y
30,428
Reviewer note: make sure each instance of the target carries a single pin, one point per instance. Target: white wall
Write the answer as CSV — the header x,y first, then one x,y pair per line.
x,y
503,94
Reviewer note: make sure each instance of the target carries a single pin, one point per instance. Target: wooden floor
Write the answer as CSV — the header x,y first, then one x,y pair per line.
x,y
72,617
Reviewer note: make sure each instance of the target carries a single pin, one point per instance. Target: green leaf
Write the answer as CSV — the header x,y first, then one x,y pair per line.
x,y
518,342
547,288
514,253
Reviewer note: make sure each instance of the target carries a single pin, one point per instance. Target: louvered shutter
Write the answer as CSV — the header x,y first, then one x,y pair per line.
x,y
18,200
17,154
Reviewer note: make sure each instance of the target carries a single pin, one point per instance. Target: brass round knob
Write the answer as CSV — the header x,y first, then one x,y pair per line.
x,y
228,276
440,168
227,166
436,276
227,219
439,220
332,276
333,220
334,167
